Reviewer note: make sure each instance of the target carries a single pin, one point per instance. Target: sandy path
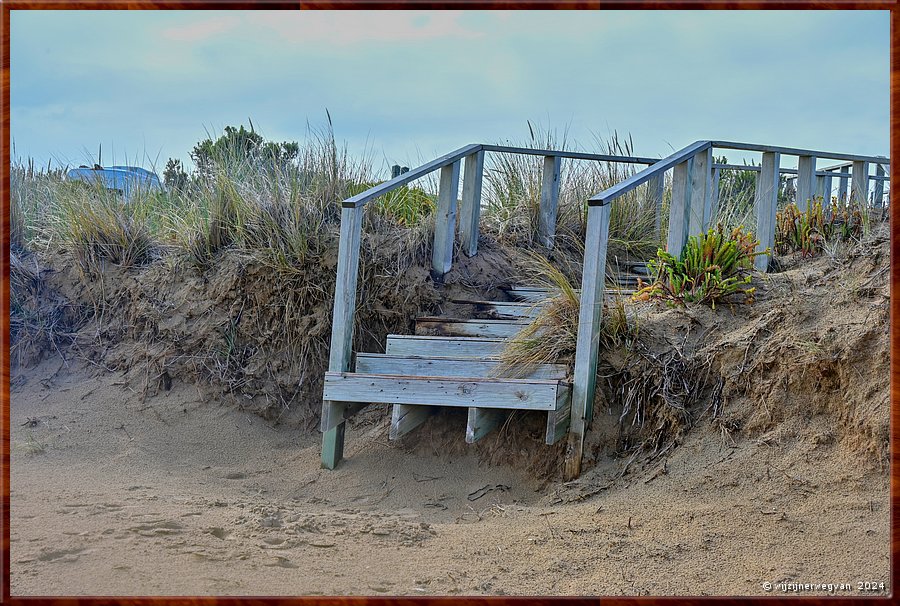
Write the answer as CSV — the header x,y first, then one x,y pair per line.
x,y
172,495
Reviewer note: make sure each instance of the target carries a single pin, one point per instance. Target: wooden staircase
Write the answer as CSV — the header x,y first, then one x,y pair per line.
x,y
454,362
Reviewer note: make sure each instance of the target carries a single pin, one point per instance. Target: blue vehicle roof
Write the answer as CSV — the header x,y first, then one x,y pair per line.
x,y
126,179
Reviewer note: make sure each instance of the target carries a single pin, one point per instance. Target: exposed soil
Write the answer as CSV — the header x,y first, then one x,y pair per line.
x,y
134,473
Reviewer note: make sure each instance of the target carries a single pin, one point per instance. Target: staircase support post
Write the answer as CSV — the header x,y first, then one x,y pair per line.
x,y
342,329
470,208
657,186
878,194
549,200
700,207
766,204
588,344
806,181
859,188
445,221
678,208
842,186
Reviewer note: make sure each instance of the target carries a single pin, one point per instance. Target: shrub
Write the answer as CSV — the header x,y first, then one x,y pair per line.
x,y
713,267
406,205
808,231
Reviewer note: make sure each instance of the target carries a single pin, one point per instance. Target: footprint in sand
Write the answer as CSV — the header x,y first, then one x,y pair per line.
x,y
281,562
157,528
61,555
219,533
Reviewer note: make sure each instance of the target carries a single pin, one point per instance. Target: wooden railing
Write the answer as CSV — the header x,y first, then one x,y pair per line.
x,y
334,413
693,207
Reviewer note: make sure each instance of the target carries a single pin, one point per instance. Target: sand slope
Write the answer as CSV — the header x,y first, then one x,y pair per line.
x,y
177,496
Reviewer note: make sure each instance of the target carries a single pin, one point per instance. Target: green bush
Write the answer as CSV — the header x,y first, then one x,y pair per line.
x,y
713,267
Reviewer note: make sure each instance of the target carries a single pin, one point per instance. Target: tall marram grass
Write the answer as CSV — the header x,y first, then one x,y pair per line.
x,y
512,199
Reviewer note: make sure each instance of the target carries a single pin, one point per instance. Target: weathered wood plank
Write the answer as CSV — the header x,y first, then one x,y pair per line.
x,y
411,175
820,188
528,394
656,186
793,151
445,220
449,347
714,196
334,411
637,179
452,327
503,309
842,184
878,194
384,364
828,188
338,413
700,209
568,154
482,421
534,294
678,208
406,417
558,420
806,184
470,207
549,203
766,204
588,343
859,186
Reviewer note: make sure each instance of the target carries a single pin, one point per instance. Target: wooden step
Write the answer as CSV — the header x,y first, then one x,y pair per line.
x,y
503,310
448,347
385,364
531,294
457,327
479,392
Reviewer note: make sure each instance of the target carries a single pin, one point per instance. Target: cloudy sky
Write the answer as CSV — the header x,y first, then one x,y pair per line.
x,y
407,86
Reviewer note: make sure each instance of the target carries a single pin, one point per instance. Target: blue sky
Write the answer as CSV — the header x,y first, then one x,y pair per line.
x,y
407,86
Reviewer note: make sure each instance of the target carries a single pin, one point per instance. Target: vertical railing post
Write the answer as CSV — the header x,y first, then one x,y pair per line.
x,y
549,200
714,193
700,210
878,194
790,189
657,188
806,181
828,180
842,186
820,189
766,204
859,188
445,221
678,208
470,207
342,331
588,343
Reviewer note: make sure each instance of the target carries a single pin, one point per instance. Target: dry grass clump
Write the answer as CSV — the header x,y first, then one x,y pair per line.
x,y
552,336
40,319
512,192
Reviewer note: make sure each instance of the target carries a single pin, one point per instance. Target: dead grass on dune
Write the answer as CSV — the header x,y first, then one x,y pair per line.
x,y
552,336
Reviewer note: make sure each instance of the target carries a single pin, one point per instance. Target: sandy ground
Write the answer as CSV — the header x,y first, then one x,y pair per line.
x,y
115,494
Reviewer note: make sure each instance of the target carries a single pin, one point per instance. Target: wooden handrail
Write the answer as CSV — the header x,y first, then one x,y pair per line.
x,y
793,151
639,178
528,151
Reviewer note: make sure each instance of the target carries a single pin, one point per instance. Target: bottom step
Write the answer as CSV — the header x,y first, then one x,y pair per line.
x,y
489,400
